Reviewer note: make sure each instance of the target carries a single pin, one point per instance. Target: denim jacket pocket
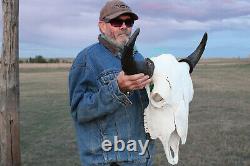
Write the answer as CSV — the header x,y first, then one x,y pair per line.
x,y
108,78
107,75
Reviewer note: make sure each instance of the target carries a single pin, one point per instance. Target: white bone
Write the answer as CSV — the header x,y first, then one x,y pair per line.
x,y
166,116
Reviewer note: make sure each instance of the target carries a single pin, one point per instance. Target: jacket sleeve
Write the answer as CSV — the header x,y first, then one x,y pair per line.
x,y
86,101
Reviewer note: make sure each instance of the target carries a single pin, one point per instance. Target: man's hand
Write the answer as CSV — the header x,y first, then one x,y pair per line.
x,y
128,83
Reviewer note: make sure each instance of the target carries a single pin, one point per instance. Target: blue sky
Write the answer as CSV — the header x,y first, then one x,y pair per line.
x,y
62,28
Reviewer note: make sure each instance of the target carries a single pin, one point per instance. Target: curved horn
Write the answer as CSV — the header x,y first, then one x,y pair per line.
x,y
127,59
194,58
129,65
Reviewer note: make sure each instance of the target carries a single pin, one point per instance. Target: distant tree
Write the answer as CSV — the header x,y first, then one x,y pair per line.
x,y
40,59
37,59
53,60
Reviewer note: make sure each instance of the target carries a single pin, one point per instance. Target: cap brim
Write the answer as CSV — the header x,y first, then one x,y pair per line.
x,y
115,15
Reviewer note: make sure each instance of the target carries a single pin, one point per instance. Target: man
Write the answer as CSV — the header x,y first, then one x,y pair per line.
x,y
106,104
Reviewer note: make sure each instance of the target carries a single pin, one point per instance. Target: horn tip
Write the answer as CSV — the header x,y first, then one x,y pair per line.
x,y
205,35
137,31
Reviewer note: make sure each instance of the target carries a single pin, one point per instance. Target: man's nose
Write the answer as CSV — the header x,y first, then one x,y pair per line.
x,y
123,26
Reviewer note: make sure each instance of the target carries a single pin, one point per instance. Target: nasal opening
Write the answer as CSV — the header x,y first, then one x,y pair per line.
x,y
157,97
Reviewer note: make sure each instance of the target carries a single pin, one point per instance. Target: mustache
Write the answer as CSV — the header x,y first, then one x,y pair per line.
x,y
126,32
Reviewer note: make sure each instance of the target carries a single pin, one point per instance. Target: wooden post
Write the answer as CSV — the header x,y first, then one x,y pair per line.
x,y
9,87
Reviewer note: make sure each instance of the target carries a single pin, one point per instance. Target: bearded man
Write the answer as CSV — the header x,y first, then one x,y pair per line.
x,y
107,105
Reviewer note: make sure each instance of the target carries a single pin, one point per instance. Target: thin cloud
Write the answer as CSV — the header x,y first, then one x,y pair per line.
x,y
195,10
64,24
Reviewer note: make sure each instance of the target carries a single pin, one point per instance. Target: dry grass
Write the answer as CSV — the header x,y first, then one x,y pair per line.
x,y
219,119
44,65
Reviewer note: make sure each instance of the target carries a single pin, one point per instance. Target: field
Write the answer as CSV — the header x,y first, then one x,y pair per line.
x,y
219,120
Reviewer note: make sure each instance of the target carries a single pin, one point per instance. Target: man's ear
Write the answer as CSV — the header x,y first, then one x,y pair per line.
x,y
102,27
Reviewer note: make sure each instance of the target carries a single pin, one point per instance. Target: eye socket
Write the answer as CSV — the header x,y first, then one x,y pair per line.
x,y
157,97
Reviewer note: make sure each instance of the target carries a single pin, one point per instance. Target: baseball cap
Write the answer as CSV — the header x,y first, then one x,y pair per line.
x,y
115,8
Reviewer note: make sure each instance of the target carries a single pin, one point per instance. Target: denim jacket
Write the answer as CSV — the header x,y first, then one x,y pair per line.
x,y
101,111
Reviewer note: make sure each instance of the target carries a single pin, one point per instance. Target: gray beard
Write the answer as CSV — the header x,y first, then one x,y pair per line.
x,y
120,46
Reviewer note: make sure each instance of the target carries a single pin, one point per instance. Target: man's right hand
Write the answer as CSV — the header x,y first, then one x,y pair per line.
x,y
129,83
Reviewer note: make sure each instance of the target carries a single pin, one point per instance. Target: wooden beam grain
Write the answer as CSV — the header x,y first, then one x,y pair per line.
x,y
9,87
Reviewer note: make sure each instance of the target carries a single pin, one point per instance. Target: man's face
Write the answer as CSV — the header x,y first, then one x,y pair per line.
x,y
118,29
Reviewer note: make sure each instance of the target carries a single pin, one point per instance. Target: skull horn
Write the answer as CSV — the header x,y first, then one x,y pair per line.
x,y
129,65
194,58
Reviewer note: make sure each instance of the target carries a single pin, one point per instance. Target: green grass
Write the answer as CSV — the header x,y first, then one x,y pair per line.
x,y
219,120
47,133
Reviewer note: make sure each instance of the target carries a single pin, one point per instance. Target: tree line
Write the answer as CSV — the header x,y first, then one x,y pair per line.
x,y
41,59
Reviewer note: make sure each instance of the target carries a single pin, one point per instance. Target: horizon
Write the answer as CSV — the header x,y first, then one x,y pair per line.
x,y
177,27
178,57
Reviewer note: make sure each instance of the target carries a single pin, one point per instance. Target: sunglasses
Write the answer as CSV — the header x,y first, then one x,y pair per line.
x,y
119,22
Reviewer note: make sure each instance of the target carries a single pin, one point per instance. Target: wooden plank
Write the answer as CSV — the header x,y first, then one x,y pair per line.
x,y
9,87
